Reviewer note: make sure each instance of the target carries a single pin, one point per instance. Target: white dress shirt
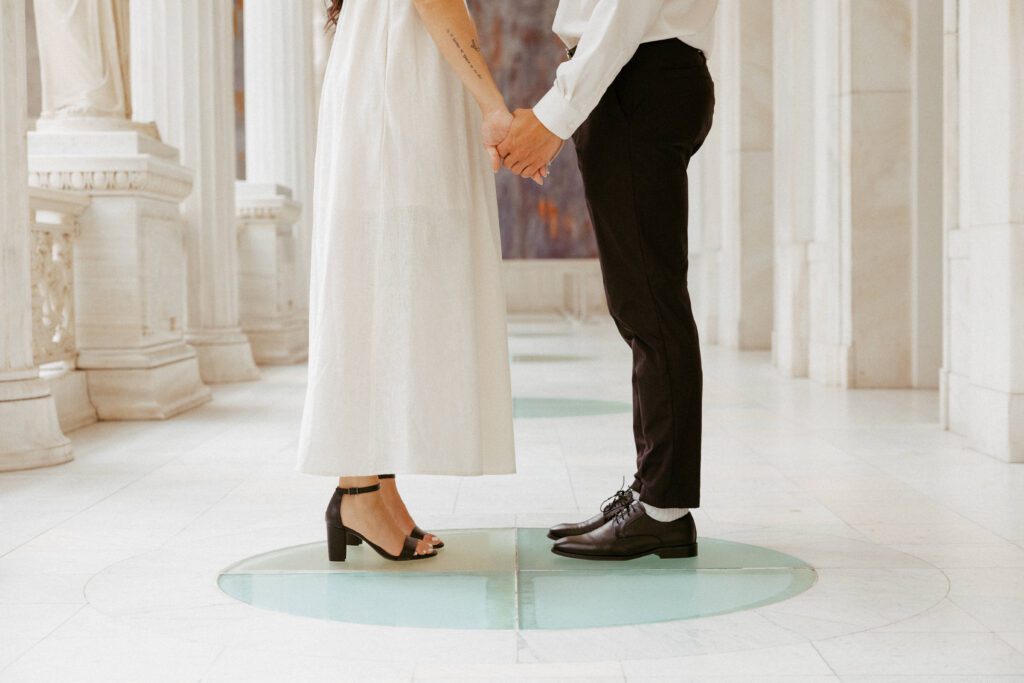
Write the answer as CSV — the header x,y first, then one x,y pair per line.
x,y
606,34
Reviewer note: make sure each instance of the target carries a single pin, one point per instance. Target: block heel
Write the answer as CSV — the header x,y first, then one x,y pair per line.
x,y
678,551
337,545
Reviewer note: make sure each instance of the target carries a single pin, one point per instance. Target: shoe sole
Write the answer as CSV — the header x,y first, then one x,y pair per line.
x,y
665,553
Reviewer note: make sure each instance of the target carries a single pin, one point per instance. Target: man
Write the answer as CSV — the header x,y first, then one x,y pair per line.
x,y
637,100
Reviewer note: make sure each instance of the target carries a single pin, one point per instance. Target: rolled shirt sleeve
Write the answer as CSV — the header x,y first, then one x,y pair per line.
x,y
615,30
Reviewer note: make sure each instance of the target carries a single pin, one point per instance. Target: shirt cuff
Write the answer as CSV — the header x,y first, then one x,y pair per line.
x,y
557,115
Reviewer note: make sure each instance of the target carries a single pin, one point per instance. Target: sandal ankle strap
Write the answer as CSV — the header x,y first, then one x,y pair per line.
x,y
359,489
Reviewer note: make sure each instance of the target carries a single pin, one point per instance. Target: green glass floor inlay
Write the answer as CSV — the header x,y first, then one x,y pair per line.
x,y
509,578
567,407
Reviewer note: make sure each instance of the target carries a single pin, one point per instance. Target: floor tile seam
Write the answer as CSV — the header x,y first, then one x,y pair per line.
x,y
134,480
823,659
222,498
868,629
516,606
518,570
148,612
203,677
957,601
366,572
999,635
169,539
44,637
886,474
81,510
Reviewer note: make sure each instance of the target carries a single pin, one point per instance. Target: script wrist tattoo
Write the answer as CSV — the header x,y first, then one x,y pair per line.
x,y
465,57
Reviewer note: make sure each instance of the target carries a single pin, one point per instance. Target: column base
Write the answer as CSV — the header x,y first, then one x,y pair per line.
x,y
224,356
284,344
31,436
154,392
70,389
993,420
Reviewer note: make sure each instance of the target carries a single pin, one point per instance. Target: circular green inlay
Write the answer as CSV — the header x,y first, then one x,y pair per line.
x,y
567,407
508,579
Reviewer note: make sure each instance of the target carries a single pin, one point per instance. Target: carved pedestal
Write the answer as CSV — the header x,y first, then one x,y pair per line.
x,y
129,268
54,223
266,217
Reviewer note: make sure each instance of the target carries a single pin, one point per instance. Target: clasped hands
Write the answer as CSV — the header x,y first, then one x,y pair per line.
x,y
520,142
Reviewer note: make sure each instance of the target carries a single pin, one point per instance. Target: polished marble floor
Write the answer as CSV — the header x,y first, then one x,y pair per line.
x,y
109,565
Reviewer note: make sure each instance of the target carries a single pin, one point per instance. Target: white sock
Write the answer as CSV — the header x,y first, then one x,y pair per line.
x,y
665,514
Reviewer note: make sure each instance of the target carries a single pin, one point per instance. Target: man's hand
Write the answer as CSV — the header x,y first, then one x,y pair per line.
x,y
496,126
529,147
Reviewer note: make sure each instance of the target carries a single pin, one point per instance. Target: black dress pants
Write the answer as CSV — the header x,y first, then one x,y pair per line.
x,y
633,153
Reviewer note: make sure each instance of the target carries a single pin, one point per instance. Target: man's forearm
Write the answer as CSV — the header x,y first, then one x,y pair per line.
x,y
611,37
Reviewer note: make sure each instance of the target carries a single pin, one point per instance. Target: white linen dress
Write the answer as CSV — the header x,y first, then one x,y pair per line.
x,y
408,351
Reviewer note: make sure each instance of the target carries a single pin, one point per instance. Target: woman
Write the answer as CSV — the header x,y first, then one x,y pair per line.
x,y
408,354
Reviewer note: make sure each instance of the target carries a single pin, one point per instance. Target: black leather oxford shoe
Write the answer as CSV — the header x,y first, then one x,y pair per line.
x,y
629,534
612,505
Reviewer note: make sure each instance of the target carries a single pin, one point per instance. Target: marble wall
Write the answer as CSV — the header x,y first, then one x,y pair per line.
x,y
983,372
548,222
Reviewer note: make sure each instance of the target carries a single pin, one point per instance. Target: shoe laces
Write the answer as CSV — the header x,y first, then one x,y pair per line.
x,y
622,497
624,513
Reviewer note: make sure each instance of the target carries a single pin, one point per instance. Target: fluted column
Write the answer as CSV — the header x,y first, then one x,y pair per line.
x,y
280,116
794,179
983,385
30,435
744,118
182,79
860,261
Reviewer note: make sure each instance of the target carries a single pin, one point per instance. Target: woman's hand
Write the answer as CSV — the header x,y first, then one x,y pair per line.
x,y
496,125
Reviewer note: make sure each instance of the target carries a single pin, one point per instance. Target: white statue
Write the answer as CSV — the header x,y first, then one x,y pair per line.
x,y
83,56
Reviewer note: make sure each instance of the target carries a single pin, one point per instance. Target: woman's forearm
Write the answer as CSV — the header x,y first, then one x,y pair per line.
x,y
455,34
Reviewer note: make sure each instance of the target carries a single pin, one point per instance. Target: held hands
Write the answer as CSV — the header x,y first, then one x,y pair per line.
x,y
496,126
521,141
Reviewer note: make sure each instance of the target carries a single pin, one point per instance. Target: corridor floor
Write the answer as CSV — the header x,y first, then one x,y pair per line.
x,y
109,565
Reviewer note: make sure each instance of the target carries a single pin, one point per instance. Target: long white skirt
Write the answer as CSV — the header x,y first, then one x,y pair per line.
x,y
408,353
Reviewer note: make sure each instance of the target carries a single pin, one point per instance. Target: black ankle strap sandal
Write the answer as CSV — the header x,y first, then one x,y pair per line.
x,y
416,532
338,533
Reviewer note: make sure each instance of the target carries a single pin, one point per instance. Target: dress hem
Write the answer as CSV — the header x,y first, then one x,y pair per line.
x,y
411,471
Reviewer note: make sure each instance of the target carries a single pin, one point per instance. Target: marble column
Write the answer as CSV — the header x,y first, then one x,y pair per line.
x,y
794,180
182,79
744,119
860,260
30,434
266,216
704,177
129,259
983,380
927,195
280,114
